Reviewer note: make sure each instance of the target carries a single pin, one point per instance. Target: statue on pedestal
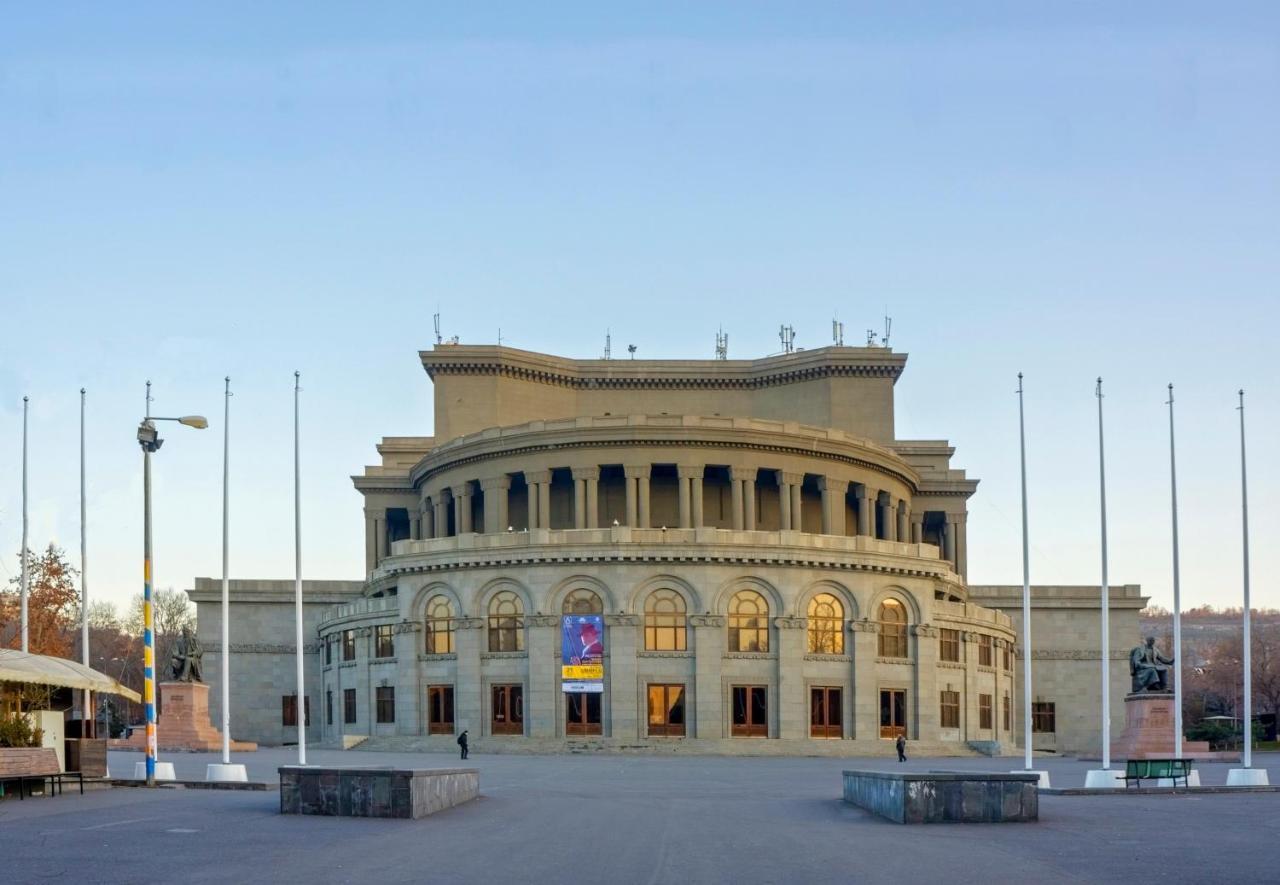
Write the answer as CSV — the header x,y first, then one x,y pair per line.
x,y
184,662
1149,668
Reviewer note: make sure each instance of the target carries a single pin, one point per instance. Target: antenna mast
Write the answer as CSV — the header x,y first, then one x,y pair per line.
x,y
837,333
722,345
608,345
436,318
787,335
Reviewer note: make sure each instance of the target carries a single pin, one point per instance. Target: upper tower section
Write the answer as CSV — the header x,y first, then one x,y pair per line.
x,y
478,387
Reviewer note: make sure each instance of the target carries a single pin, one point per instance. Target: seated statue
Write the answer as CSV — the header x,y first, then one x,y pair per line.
x,y
1149,668
184,662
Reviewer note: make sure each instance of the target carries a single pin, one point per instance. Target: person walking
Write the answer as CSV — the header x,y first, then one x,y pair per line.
x,y
900,744
462,742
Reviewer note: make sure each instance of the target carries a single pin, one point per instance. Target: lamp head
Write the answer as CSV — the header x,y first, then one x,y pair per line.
x,y
199,422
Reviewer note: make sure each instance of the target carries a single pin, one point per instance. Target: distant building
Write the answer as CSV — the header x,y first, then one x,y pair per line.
x,y
773,569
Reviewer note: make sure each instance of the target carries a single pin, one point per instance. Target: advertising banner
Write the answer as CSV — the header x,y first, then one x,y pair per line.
x,y
582,653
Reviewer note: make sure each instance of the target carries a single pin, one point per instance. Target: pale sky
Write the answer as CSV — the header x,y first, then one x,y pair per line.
x,y
191,193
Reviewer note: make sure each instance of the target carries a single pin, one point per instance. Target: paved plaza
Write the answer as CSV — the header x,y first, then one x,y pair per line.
x,y
627,819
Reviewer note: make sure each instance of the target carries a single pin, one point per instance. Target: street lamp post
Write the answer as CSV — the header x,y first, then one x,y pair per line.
x,y
150,441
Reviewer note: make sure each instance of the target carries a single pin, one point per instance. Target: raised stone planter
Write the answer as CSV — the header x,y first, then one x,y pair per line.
x,y
375,792
939,797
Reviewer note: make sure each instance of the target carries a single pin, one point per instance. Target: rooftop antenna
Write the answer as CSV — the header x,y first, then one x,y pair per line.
x,y
888,324
787,335
837,333
871,338
722,345
608,345
499,336
436,318
631,349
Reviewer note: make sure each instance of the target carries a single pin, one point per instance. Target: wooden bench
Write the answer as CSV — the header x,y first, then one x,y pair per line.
x,y
27,764
1145,769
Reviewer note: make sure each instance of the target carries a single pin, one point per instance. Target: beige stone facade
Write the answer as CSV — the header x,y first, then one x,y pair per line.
x,y
776,572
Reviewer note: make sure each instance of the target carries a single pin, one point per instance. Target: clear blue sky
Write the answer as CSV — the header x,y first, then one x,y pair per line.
x,y
247,189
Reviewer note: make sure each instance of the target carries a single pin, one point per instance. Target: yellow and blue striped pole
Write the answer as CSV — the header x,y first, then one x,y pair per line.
x,y
148,621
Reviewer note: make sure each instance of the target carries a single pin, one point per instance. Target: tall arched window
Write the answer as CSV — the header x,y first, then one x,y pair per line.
x,y
748,622
826,625
893,629
582,602
506,622
664,621
440,626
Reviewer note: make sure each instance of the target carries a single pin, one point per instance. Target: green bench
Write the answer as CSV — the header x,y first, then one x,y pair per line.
x,y
1146,769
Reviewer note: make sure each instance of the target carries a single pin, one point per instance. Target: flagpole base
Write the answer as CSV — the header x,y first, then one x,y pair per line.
x,y
164,771
1044,776
226,772
1104,779
1247,777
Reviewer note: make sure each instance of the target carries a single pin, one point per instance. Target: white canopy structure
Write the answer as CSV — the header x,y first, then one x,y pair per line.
x,y
17,666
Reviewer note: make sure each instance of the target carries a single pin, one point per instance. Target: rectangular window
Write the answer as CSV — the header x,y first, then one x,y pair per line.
x,y
386,703
984,711
349,706
984,650
289,710
439,709
949,645
1043,718
750,711
949,702
348,645
328,651
1007,651
1005,712
666,710
384,644
328,707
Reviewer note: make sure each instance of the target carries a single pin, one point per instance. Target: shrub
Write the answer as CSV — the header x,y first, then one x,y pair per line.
x,y
17,731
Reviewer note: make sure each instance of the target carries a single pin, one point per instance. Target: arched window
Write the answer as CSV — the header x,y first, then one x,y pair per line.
x,y
440,626
748,622
582,602
826,625
893,629
506,622
664,621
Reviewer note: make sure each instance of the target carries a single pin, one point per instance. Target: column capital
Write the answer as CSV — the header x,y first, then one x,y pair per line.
x,y
707,620
925,630
832,484
690,471
957,518
860,490
462,490
637,471
585,472
747,473
794,479
537,476
496,482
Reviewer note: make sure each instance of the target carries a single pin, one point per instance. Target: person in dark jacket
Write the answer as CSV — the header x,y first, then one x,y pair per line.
x,y
900,744
462,742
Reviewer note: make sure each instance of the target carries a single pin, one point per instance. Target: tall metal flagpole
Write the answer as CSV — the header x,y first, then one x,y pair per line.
x,y
88,719
226,592
1248,634
25,570
297,582
148,616
1026,590
1177,592
1106,597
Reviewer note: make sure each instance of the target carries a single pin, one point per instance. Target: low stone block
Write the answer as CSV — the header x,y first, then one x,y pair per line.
x,y
937,797
375,792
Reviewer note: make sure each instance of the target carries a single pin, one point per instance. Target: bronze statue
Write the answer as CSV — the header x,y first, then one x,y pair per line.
x,y
184,662
1149,668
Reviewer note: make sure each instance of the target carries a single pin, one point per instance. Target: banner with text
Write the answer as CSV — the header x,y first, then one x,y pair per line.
x,y
582,653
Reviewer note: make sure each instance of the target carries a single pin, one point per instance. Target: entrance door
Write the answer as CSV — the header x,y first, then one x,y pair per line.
x,y
750,711
582,713
825,717
508,709
666,710
893,712
439,709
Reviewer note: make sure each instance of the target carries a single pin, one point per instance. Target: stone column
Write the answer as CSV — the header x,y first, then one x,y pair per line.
x,y
632,508
622,716
590,477
789,498
917,527
370,543
866,700
962,545
902,517
468,695
462,508
891,519
833,492
380,529
686,475
695,495
428,518
793,708
949,540
784,502
708,693
866,520
415,528
579,503
441,516
543,644
927,715
737,504
637,495
496,489
969,705
797,511
749,500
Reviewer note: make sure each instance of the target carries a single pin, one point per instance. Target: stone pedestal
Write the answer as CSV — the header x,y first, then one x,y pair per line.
x,y
1148,730
184,722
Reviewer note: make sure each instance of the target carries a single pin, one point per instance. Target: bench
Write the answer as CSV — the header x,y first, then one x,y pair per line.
x,y
27,764
1145,769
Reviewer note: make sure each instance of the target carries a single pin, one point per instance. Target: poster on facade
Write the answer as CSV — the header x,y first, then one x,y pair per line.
x,y
582,653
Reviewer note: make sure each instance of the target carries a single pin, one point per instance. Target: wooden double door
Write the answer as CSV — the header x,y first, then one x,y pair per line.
x,y
582,711
507,715
893,712
826,712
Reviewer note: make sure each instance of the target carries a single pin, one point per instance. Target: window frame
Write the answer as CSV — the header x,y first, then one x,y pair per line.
x,y
384,633
893,640
440,625
658,624
384,701
350,710
748,626
825,626
348,645
949,702
985,713
949,639
665,727
1043,712
985,649
443,691
506,628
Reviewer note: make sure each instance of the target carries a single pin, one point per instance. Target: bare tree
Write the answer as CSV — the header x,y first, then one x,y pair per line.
x,y
171,611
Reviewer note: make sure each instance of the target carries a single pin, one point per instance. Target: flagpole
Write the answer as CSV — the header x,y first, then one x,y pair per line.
x,y
226,591
25,570
1106,596
88,719
1248,632
301,708
1026,590
1177,593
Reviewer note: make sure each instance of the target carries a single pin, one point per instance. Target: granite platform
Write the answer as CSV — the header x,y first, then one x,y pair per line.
x,y
943,797
353,791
